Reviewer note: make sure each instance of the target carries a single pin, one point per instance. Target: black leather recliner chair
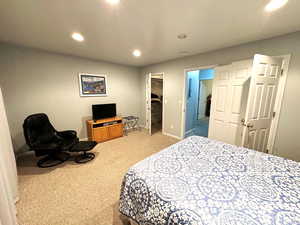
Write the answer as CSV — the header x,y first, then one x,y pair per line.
x,y
42,138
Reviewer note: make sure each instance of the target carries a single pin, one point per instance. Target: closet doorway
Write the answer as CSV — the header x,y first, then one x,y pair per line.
x,y
155,102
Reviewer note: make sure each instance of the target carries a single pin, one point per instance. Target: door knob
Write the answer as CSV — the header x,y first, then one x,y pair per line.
x,y
250,125
243,122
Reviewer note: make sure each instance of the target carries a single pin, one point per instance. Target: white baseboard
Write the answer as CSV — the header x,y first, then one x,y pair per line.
x,y
143,126
189,131
171,135
83,139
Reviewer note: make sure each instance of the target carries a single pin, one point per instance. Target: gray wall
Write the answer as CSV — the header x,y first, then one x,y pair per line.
x,y
287,144
36,81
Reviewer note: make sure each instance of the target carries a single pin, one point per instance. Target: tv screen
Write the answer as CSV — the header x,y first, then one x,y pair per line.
x,y
104,111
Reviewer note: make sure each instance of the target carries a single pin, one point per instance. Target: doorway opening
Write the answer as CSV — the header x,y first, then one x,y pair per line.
x,y
157,83
155,102
198,101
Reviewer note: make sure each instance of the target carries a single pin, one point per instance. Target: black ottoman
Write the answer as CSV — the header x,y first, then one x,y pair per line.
x,y
84,147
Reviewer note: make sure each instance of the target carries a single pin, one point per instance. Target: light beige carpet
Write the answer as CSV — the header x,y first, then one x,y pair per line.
x,y
82,194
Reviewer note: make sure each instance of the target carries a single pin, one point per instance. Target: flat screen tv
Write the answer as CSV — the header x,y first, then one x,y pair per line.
x,y
103,111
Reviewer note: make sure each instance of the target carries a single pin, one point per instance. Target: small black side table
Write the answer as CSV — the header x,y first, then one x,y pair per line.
x,y
84,147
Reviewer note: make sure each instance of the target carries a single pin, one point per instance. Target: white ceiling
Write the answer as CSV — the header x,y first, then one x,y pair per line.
x,y
112,32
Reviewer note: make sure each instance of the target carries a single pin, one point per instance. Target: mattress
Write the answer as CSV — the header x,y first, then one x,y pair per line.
x,y
199,181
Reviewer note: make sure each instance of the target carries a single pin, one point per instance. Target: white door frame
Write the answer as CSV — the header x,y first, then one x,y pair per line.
x,y
185,94
278,102
163,103
147,114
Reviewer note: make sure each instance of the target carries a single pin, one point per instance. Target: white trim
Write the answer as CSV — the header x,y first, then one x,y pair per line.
x,y
146,92
189,131
157,75
154,75
93,95
164,101
171,135
144,126
278,103
185,71
84,139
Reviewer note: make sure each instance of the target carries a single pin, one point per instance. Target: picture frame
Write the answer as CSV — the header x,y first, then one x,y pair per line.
x,y
92,85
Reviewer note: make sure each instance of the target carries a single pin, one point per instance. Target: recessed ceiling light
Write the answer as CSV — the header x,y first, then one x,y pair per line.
x,y
78,37
113,2
136,53
182,36
275,4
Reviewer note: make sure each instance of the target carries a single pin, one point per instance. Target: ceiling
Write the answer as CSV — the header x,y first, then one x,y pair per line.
x,y
113,32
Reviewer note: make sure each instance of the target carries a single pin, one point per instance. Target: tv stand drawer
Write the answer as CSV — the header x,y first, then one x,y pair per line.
x,y
100,134
95,125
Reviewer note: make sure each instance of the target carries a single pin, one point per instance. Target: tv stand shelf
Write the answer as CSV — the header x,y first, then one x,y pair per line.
x,y
105,129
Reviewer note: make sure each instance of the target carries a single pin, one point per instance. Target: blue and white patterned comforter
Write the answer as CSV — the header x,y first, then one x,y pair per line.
x,y
199,181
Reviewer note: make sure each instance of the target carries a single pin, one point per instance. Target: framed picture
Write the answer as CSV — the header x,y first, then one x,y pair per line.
x,y
92,84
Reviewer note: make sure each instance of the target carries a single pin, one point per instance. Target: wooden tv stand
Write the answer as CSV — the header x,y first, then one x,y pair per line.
x,y
105,129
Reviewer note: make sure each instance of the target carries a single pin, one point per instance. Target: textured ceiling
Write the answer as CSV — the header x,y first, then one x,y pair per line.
x,y
112,32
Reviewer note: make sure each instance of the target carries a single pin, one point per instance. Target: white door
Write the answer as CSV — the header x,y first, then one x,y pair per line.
x,y
239,90
229,96
265,76
218,125
148,102
8,172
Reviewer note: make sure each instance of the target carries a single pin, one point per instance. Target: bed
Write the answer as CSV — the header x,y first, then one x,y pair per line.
x,y
199,181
